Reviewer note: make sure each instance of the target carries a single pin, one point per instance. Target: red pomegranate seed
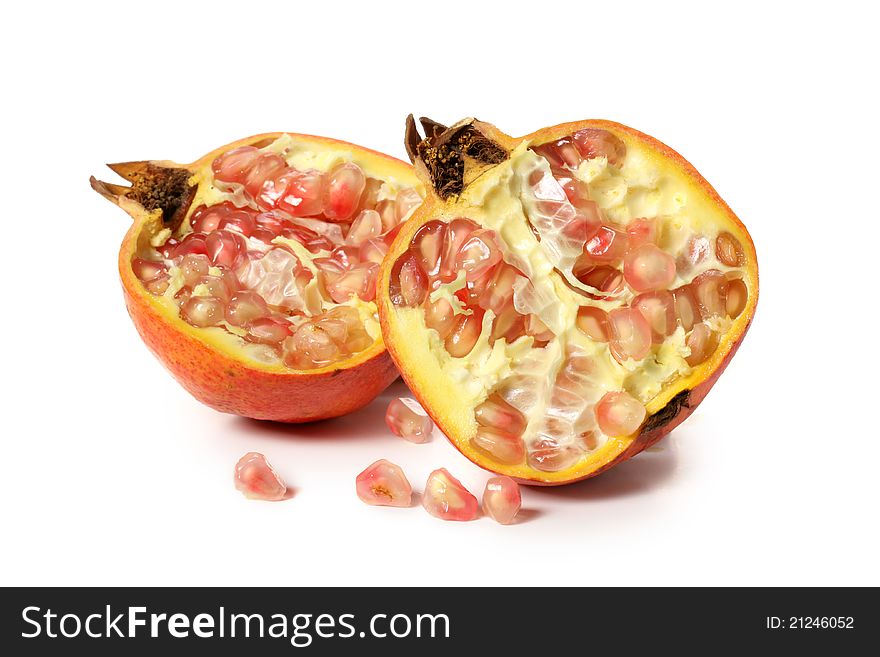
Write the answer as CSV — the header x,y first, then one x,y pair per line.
x,y
373,250
502,499
702,341
273,221
630,334
497,413
737,296
407,200
245,307
509,325
205,219
384,484
446,498
440,316
457,232
346,256
619,414
648,268
498,291
202,311
607,246
257,480
224,248
594,323
694,253
157,285
192,243
687,311
342,192
358,281
147,270
216,287
659,309
240,221
406,419
310,347
709,288
233,165
604,278
299,193
464,334
594,142
264,169
478,253
728,250
267,330
501,446
548,456
367,225
193,266
408,285
427,245
387,209
642,231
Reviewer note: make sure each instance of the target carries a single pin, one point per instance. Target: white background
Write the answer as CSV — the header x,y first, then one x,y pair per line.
x,y
112,474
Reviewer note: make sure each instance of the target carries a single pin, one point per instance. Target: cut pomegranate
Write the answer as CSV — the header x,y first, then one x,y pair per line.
x,y
501,499
257,480
446,498
406,418
384,484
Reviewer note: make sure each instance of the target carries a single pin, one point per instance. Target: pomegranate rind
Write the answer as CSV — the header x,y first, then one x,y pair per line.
x,y
207,363
442,399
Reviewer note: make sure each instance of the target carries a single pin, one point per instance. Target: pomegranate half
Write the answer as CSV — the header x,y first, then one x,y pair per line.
x,y
251,273
562,300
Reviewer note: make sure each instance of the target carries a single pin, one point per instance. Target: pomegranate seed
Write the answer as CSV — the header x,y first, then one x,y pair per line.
x,y
384,484
300,193
630,334
245,307
509,325
406,419
447,499
594,142
225,248
343,190
240,221
619,414
192,243
267,330
702,341
205,219
648,268
594,323
463,336
202,311
548,456
694,253
440,316
233,165
194,266
264,169
148,270
387,209
408,285
604,278
499,445
407,200
659,309
728,250
709,288
737,296
216,287
347,256
457,232
687,311
257,480
157,285
427,245
366,225
373,250
499,290
273,221
310,347
478,253
642,231
497,413
501,499
359,281
608,245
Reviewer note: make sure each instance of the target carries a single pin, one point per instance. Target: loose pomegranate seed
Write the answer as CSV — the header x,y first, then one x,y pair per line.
x,y
709,288
359,281
406,419
502,446
501,499
202,311
464,334
619,414
366,225
659,309
384,484
257,480
427,245
728,250
702,341
548,456
245,307
594,142
148,270
373,250
343,190
630,334
457,232
642,231
687,311
737,296
225,248
447,499
497,413
607,246
648,268
594,322
264,169
233,165
440,316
